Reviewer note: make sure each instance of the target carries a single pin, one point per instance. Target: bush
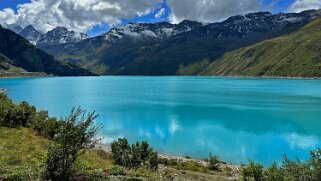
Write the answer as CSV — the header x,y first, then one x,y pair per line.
x,y
315,161
75,133
13,115
136,155
288,170
121,152
296,170
168,162
253,171
192,166
116,171
274,173
44,125
214,162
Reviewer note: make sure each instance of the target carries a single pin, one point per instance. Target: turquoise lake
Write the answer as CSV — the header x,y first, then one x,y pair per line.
x,y
235,118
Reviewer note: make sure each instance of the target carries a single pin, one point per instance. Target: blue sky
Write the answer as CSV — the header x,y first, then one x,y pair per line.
x,y
135,11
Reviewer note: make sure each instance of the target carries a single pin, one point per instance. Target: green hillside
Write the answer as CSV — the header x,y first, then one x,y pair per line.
x,y
17,55
294,55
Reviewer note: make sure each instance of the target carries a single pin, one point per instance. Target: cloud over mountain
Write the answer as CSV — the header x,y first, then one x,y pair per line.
x,y
301,5
74,14
83,15
209,10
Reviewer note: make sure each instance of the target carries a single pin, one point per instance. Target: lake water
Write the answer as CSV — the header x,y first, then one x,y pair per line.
x,y
235,118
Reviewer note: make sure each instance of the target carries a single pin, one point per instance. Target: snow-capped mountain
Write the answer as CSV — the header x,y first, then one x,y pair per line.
x,y
13,27
149,31
169,49
60,35
250,25
56,36
31,34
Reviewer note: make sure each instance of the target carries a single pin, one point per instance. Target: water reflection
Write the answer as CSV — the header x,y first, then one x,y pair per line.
x,y
237,119
234,134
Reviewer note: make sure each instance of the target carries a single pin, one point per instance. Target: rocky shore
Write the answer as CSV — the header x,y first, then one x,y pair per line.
x,y
3,90
234,170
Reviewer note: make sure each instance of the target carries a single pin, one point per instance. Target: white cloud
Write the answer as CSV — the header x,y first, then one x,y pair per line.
x,y
9,15
160,13
301,141
82,15
79,15
210,10
301,5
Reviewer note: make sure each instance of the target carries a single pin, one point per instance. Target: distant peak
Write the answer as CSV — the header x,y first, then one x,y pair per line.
x,y
188,21
262,13
30,27
59,28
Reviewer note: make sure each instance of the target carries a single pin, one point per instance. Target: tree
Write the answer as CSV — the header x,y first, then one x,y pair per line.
x,y
75,133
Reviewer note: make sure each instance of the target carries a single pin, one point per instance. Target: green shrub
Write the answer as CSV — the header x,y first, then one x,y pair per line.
x,y
75,133
116,171
153,160
274,173
168,162
136,155
25,115
213,162
315,161
296,170
121,152
253,171
192,166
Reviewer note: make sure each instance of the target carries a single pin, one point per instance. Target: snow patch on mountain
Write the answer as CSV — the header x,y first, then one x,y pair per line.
x,y
13,27
148,31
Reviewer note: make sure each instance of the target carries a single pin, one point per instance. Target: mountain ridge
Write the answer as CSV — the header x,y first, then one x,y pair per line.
x,y
185,53
187,48
17,52
293,55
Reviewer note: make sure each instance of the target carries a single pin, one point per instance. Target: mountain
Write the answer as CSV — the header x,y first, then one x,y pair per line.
x,y
293,55
60,35
129,34
187,48
56,36
148,31
31,34
16,52
13,27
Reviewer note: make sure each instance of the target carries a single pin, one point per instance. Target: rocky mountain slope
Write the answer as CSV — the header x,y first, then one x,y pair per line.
x,y
56,36
13,27
31,34
297,54
16,52
60,35
165,49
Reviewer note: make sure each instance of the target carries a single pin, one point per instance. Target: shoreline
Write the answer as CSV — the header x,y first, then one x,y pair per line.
x,y
268,77
235,169
220,76
3,90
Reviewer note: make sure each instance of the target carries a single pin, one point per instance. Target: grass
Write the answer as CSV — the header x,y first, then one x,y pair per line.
x,y
23,154
293,55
